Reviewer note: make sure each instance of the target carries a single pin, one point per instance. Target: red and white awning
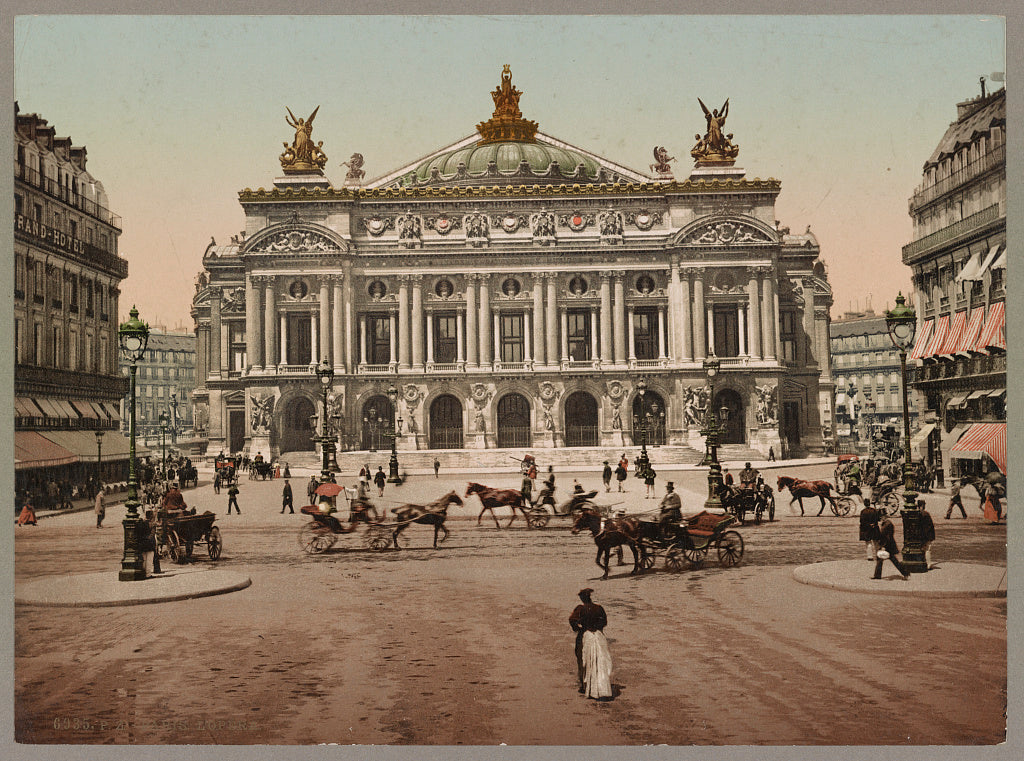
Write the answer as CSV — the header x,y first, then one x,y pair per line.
x,y
938,337
969,339
922,339
983,438
955,335
994,333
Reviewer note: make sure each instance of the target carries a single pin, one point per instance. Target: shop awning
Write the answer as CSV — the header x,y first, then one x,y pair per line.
x,y
999,393
66,409
971,270
983,438
85,409
83,443
112,412
49,408
957,402
32,450
922,339
938,337
24,407
921,436
977,394
956,332
1000,262
988,260
970,335
994,335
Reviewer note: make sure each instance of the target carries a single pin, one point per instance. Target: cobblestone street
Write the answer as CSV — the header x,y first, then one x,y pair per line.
x,y
469,643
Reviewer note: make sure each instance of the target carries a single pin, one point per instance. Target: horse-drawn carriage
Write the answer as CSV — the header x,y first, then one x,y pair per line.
x,y
178,531
758,500
261,469
226,470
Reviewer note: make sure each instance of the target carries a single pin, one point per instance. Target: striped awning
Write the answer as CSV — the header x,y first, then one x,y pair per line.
x,y
111,409
31,450
983,438
969,338
938,337
993,335
24,407
921,436
85,409
922,339
956,332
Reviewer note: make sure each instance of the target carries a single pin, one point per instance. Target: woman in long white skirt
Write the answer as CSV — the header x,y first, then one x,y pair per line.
x,y
593,661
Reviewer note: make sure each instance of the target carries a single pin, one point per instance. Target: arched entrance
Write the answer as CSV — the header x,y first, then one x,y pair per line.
x,y
446,423
513,421
581,420
734,430
378,419
649,409
296,426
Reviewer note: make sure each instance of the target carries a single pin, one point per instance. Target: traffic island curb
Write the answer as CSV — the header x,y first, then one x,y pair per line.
x,y
104,589
943,580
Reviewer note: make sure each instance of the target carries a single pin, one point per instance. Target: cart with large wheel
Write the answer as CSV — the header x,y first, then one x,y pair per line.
x,y
538,515
690,542
885,496
179,531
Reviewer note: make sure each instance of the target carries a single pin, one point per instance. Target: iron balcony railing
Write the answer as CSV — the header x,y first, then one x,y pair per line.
x,y
951,232
993,159
65,194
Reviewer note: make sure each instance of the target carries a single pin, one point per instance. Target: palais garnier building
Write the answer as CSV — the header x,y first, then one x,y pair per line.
x,y
513,291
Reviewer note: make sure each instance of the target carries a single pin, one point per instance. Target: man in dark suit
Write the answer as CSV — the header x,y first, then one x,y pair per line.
x,y
286,498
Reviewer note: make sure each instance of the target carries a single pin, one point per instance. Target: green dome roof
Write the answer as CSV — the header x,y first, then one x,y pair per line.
x,y
489,162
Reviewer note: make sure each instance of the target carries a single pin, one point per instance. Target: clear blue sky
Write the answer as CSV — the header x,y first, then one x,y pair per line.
x,y
179,113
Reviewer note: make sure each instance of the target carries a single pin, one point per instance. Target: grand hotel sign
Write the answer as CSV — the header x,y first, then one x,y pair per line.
x,y
51,235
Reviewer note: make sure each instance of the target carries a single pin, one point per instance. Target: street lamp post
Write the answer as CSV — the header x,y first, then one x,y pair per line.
x,y
325,374
133,337
901,322
163,445
713,502
99,457
396,431
641,421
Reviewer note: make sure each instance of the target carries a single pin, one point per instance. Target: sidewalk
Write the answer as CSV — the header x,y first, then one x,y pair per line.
x,y
96,590
945,580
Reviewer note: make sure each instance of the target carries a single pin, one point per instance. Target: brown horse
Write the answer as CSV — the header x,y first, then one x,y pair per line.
x,y
491,498
616,532
799,489
433,514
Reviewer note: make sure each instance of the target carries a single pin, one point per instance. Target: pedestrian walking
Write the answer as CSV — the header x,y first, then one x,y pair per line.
x,y
869,529
649,475
216,482
287,472
606,476
526,488
954,497
927,532
380,479
771,454
593,660
889,550
727,478
993,509
620,475
100,508
149,542
27,516
286,498
437,466
233,499
311,489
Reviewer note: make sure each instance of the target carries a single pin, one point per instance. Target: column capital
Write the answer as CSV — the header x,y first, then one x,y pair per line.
x,y
694,271
324,281
472,276
403,279
215,292
337,278
416,278
606,275
619,273
483,276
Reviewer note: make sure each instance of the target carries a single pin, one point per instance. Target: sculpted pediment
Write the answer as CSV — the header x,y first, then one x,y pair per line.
x,y
724,232
295,239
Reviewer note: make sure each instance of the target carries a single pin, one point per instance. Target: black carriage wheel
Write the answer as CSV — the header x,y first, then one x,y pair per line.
x,y
730,548
314,539
843,506
214,544
378,539
540,520
695,555
175,549
891,503
675,560
647,561
770,500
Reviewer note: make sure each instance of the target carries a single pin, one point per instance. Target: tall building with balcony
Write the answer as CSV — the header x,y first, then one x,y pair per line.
x,y
67,274
958,257
165,379
514,288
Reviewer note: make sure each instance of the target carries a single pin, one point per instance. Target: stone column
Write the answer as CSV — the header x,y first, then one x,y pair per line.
x,y
754,313
430,338
393,339
417,322
662,330
215,332
202,354
252,322
472,345
631,336
362,339
404,334
284,338
337,316
496,319
593,335
710,320
527,353
685,319
538,320
460,337
314,342
620,318
350,348
269,324
325,317
565,333
807,341
741,323
606,318
484,324
700,346
768,316
551,319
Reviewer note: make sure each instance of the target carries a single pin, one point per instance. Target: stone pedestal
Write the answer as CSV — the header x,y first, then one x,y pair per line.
x,y
260,442
615,440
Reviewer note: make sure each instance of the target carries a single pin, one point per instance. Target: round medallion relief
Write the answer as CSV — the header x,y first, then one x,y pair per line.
x,y
298,289
377,289
577,286
444,288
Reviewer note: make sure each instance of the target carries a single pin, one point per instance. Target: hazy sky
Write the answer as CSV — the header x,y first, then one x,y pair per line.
x,y
179,113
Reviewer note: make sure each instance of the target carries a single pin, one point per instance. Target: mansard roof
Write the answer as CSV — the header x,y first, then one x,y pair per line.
x,y
980,117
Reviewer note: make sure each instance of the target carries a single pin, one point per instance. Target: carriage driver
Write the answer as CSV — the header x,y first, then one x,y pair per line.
x,y
748,477
173,500
671,507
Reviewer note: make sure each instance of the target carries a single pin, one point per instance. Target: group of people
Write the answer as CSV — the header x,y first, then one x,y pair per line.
x,y
879,536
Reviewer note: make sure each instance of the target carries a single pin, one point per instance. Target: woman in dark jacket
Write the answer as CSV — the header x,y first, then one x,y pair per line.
x,y
887,543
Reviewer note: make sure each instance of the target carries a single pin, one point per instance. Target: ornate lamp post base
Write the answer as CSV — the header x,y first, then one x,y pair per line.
x,y
133,567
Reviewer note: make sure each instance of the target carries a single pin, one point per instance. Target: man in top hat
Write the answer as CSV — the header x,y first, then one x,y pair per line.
x,y
671,506
606,476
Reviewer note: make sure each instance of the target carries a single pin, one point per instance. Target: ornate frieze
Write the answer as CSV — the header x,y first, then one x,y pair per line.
x,y
295,241
725,233
443,224
476,229
410,230
610,224
378,225
643,219
509,221
576,221
234,301
543,226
